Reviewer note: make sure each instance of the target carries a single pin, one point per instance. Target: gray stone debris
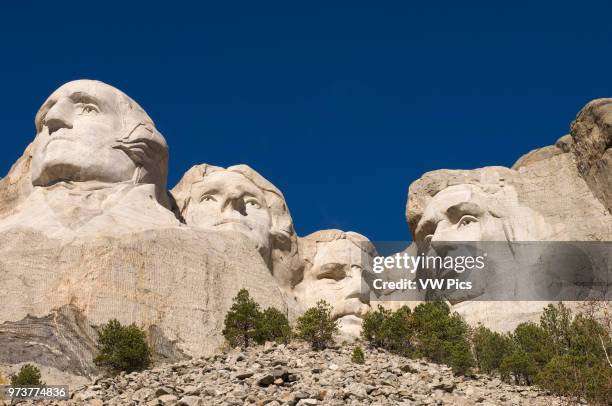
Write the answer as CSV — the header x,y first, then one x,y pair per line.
x,y
285,375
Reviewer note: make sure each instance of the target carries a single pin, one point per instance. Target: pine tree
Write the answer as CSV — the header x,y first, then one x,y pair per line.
x,y
28,375
122,348
317,326
242,321
358,357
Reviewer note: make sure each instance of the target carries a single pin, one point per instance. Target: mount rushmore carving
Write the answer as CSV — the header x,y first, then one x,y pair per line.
x,y
89,231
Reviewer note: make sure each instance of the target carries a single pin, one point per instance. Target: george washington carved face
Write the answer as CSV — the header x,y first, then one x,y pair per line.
x,y
87,130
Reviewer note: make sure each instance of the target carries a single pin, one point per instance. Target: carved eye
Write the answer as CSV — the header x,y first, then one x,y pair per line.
x,y
335,272
467,219
87,109
208,198
253,203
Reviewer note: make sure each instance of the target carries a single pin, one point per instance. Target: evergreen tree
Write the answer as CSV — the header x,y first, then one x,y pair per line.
x,y
122,348
358,357
242,321
442,336
273,326
317,326
490,348
28,375
556,321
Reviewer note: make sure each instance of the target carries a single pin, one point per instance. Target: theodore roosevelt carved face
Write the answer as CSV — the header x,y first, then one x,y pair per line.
x,y
336,261
88,130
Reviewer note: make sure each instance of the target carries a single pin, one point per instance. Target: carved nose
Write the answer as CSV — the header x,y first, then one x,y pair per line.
x,y
442,240
235,204
58,117
357,288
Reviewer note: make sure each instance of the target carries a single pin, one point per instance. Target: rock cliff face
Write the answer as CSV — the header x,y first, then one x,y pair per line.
x,y
61,343
16,185
179,280
90,232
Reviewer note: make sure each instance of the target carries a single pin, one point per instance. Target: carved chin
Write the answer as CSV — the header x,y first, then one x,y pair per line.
x,y
47,173
351,307
52,170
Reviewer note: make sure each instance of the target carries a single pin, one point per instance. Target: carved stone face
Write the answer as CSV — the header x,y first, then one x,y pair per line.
x,y
76,129
335,276
460,213
226,200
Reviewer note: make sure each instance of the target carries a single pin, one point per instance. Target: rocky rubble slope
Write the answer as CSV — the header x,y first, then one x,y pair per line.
x,y
294,375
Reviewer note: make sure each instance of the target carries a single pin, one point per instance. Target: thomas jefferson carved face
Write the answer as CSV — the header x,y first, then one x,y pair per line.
x,y
226,200
88,130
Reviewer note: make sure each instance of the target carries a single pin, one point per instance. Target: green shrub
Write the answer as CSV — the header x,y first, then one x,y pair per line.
x,y
273,326
358,357
589,337
564,354
534,341
397,330
372,326
577,377
431,331
245,324
242,321
28,375
431,320
581,369
461,359
441,336
519,366
317,326
489,349
529,351
122,348
556,321
389,330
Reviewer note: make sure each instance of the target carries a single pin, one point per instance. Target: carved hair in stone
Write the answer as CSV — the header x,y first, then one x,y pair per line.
x,y
90,131
240,199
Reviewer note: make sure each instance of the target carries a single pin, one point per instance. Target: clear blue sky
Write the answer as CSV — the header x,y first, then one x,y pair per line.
x,y
340,104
